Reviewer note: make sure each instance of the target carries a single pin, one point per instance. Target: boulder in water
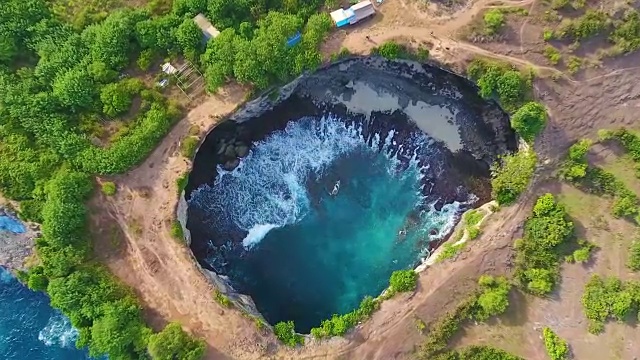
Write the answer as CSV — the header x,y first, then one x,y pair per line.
x,y
231,164
242,151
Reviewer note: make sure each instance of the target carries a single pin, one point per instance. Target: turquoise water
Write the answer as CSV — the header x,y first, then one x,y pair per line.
x,y
325,215
30,328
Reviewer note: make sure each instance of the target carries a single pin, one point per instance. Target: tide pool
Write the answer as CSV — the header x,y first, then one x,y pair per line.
x,y
325,213
30,328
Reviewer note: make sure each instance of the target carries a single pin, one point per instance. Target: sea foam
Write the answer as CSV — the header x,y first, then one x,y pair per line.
x,y
269,188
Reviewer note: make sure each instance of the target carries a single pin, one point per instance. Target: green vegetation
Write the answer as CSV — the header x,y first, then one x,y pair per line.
x,y
286,333
574,64
634,256
176,231
575,166
338,325
494,298
583,253
502,81
403,280
421,326
594,179
491,300
389,50
222,299
548,34
511,176
493,21
470,221
557,349
109,188
189,146
181,182
173,343
610,298
529,120
551,53
590,24
393,50
538,252
626,35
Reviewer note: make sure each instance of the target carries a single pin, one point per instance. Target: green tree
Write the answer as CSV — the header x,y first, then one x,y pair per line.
x,y
529,120
189,37
75,88
285,332
120,331
173,343
116,99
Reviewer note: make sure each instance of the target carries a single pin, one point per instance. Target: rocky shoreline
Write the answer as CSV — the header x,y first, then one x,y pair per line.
x,y
15,248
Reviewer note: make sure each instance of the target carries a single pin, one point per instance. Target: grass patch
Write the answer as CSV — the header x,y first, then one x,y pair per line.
x,y
493,21
176,231
189,146
633,262
181,182
222,299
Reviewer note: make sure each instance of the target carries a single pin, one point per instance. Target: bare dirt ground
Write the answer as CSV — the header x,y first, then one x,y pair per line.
x,y
132,228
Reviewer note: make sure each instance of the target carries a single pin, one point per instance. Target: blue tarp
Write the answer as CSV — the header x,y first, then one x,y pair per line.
x,y
294,39
8,223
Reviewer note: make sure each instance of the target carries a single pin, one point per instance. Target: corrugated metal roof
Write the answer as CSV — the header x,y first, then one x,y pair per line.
x,y
361,5
205,25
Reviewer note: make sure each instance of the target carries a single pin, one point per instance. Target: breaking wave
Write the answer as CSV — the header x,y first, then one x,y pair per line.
x,y
58,332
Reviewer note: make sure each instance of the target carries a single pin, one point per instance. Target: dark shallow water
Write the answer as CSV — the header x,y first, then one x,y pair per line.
x,y
355,174
30,328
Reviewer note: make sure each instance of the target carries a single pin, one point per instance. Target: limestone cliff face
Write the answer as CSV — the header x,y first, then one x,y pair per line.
x,y
221,283
16,247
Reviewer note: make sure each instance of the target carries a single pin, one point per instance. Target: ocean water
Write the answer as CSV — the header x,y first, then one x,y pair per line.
x,y
325,212
30,328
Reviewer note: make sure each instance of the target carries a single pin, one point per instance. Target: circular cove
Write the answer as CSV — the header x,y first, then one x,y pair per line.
x,y
308,198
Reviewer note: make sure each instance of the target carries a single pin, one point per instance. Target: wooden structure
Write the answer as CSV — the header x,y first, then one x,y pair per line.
x,y
189,80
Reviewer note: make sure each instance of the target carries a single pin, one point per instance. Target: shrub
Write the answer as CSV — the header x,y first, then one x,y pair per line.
x,y
145,59
552,54
557,349
285,332
537,253
173,343
548,34
338,325
403,280
189,146
583,254
390,50
494,299
529,120
559,4
626,34
36,279
502,80
181,182
624,206
511,177
589,24
574,64
493,21
109,188
609,298
634,256
449,250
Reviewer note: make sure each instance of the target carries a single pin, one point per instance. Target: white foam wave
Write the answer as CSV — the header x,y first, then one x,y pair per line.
x,y
5,276
256,234
58,332
269,188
